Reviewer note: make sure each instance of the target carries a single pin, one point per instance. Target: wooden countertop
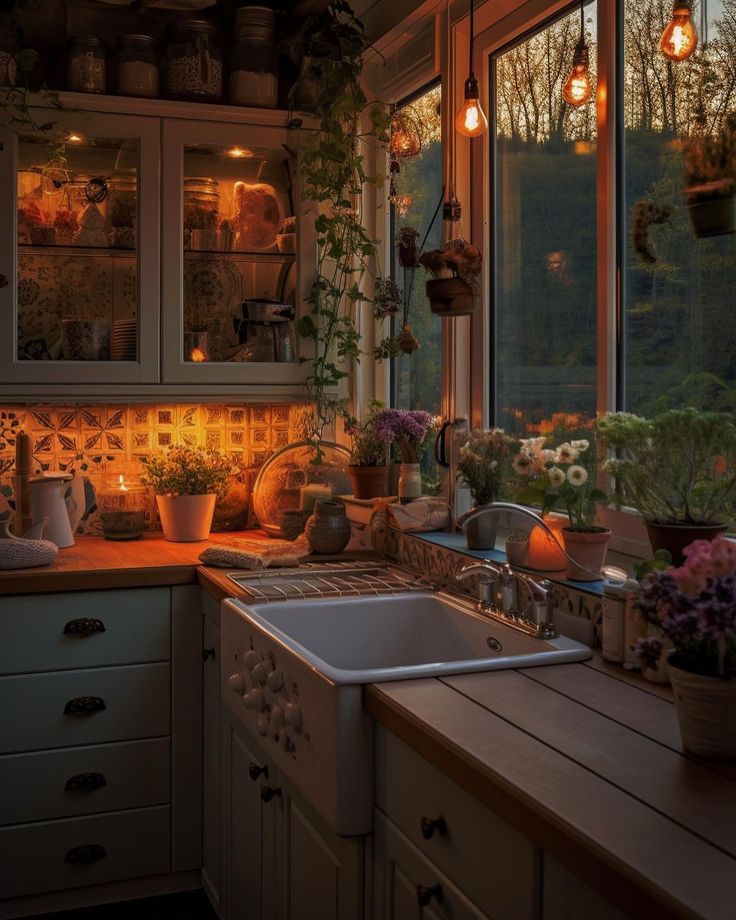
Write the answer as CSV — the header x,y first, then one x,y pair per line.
x,y
586,760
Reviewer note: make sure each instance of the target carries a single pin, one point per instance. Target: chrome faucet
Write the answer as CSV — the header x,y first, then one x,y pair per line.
x,y
512,597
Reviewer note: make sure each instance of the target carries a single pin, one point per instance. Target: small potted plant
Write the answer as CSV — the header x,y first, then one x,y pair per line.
x,y
453,289
695,608
564,482
187,482
408,247
368,457
677,468
484,464
710,166
409,430
387,298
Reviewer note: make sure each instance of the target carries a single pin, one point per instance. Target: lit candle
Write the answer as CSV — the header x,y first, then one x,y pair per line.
x,y
310,493
122,511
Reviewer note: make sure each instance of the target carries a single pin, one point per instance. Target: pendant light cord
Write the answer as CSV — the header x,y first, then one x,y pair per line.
x,y
470,53
582,21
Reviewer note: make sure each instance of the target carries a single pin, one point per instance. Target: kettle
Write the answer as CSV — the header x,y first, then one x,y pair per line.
x,y
60,498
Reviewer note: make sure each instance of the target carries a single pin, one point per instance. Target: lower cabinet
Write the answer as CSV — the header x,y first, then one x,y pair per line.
x,y
280,862
211,871
567,898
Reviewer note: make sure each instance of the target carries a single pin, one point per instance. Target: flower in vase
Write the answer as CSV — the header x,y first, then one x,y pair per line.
x,y
577,475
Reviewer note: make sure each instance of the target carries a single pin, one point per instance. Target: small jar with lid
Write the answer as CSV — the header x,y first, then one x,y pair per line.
x,y
254,69
137,66
201,212
194,61
87,68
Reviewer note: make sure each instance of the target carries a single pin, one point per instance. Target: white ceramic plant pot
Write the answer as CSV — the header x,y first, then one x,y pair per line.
x,y
410,481
186,518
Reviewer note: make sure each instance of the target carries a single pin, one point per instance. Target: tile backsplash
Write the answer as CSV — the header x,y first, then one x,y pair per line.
x,y
102,442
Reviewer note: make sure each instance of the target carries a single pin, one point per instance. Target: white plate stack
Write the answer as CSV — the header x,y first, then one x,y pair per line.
x,y
124,339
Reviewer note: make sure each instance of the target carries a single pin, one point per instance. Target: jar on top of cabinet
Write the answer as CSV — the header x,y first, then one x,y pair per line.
x,y
87,68
254,71
194,61
137,66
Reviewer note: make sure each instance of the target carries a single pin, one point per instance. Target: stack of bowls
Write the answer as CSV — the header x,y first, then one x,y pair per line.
x,y
124,339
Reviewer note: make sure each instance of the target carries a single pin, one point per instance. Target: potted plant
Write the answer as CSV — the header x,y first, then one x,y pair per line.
x,y
484,465
187,482
368,457
544,552
387,298
453,289
677,468
710,166
695,608
565,482
408,247
409,430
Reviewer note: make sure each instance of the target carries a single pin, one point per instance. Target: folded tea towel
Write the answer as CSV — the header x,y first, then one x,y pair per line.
x,y
419,515
241,553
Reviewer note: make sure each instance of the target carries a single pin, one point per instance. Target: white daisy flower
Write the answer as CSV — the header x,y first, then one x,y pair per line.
x,y
577,475
566,453
580,445
556,476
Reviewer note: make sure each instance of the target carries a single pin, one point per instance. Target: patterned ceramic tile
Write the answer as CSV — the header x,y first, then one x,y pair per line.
x,y
237,415
260,416
280,415
104,429
11,422
214,416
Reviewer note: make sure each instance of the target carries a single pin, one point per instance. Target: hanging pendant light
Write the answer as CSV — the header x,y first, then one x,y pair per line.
x,y
578,87
471,119
679,38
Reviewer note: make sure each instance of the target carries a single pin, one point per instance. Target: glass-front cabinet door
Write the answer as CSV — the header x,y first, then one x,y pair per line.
x,y
231,244
79,222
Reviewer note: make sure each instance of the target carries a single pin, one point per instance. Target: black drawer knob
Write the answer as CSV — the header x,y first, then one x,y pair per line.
x,y
84,706
430,826
208,653
84,626
85,782
425,893
268,793
85,855
255,770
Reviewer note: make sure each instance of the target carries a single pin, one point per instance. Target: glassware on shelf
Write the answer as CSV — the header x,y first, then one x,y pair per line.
x,y
85,339
87,68
201,213
195,347
254,66
194,61
137,66
257,215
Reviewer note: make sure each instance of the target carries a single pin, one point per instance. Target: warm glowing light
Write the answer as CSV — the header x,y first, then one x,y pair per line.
x,y
578,87
582,148
121,480
404,138
471,119
73,138
545,552
679,38
197,355
238,153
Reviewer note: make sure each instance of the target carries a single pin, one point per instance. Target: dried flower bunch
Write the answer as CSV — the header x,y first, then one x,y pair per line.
x,y
559,478
695,607
368,447
187,471
408,429
678,467
485,463
458,259
710,163
387,298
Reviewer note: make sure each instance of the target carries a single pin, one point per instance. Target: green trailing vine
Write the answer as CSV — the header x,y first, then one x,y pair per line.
x,y
333,174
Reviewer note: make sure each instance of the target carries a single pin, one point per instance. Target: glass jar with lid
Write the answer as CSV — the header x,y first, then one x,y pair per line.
x,y
194,61
201,212
137,66
87,68
254,70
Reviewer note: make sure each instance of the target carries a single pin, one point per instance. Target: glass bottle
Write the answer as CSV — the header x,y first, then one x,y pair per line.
x,y
137,66
254,71
194,61
87,69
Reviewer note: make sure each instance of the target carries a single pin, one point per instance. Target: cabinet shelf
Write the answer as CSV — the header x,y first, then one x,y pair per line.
x,y
72,250
241,254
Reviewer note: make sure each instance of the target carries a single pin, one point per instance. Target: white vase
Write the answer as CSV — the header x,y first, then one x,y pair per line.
x,y
410,481
186,518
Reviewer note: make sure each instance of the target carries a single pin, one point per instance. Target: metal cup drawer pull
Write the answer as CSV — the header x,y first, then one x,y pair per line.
x,y
254,771
85,782
84,626
84,706
268,793
430,825
85,855
426,893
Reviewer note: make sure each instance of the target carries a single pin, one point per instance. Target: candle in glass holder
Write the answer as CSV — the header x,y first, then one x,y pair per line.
x,y
122,511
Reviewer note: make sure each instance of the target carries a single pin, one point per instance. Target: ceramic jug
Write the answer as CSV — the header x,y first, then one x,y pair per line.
x,y
60,498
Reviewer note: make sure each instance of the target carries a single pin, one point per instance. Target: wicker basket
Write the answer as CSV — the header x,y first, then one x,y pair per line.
x,y
706,710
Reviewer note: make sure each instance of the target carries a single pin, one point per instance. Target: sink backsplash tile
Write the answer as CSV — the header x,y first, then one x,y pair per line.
x,y
101,442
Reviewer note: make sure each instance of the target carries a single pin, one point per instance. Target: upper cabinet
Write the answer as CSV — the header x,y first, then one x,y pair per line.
x,y
150,251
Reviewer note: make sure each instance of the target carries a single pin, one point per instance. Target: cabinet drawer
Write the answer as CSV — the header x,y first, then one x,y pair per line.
x,y
85,780
567,898
32,707
492,863
84,851
84,629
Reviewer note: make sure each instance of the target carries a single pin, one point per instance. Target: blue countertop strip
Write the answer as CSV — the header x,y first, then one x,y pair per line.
x,y
456,542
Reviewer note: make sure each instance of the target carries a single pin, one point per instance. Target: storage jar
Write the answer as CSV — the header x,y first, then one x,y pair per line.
x,y
87,69
254,70
194,61
137,66
201,212
328,529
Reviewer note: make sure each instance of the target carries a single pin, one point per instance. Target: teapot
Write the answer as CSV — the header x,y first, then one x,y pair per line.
x,y
60,498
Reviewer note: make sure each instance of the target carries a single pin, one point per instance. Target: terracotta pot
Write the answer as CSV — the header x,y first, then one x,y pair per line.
x,y
714,217
706,711
410,481
328,529
369,481
587,552
186,518
675,537
450,297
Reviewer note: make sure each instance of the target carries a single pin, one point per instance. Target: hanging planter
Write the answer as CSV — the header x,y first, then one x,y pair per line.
x,y
714,217
452,291
408,247
710,194
450,297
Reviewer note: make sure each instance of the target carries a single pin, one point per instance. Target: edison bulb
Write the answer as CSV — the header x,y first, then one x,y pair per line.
x,y
471,119
578,87
679,38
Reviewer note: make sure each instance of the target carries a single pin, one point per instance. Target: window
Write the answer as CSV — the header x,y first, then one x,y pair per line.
x,y
544,234
679,341
416,378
